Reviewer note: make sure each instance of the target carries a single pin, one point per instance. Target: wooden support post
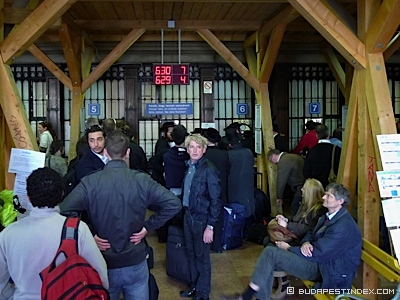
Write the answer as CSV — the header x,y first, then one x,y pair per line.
x,y
335,67
6,143
269,143
75,131
14,111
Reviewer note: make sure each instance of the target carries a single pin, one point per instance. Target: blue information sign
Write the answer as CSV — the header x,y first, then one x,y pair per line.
x,y
241,109
315,108
94,109
169,109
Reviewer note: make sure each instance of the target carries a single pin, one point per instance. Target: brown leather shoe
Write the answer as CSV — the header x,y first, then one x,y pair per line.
x,y
232,297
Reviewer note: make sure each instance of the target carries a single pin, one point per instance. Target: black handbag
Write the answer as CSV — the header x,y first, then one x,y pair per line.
x,y
153,288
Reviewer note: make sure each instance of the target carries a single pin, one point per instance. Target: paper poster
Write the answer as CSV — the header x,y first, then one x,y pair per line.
x,y
389,183
395,234
389,148
20,190
25,161
391,208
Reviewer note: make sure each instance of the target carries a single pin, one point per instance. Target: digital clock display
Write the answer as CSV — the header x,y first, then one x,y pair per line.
x,y
165,74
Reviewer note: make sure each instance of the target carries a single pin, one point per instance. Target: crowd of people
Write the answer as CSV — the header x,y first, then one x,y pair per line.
x,y
192,175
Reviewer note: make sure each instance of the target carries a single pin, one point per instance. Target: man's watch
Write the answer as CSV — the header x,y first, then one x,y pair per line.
x,y
210,227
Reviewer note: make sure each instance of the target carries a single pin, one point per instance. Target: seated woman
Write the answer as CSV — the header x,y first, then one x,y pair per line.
x,y
309,212
55,160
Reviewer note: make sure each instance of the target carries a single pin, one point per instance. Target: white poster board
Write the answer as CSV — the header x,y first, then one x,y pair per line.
x,y
389,148
389,183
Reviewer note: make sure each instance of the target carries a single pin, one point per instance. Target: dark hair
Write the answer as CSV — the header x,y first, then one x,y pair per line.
x,y
45,187
55,146
340,192
94,128
109,125
337,133
82,147
233,136
310,125
127,131
117,144
48,126
272,152
179,134
322,132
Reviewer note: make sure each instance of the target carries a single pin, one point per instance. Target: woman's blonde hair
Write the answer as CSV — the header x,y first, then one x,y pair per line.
x,y
197,138
313,191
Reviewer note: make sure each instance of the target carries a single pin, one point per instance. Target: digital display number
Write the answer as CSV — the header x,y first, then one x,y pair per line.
x,y
165,74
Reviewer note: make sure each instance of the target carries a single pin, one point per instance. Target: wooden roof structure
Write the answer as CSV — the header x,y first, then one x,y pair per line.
x,y
362,33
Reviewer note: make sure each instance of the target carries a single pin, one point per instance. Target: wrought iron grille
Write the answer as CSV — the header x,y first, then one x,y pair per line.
x,y
393,73
312,84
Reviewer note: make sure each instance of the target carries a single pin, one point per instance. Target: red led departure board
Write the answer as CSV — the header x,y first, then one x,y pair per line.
x,y
165,74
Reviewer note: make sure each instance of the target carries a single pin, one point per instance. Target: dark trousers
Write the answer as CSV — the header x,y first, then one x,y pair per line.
x,y
275,259
198,253
216,245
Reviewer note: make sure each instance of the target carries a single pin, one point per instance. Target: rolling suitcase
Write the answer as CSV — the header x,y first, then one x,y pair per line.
x,y
232,230
177,262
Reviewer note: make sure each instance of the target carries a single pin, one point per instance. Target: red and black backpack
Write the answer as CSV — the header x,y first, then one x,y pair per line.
x,y
74,278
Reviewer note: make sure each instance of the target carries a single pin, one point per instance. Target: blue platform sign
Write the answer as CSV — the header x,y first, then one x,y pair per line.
x,y
94,109
242,109
169,109
315,108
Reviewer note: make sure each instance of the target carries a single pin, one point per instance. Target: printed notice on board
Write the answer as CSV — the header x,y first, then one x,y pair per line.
x,y
395,234
25,161
389,183
389,148
391,208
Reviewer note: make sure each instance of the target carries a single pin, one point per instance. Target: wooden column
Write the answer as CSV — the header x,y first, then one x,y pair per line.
x,y
53,105
75,131
132,112
6,143
207,100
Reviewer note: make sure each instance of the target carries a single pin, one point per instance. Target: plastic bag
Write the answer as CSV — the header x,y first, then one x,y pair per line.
x,y
7,212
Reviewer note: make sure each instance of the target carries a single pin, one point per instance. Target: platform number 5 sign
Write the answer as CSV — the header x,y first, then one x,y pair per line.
x,y
315,108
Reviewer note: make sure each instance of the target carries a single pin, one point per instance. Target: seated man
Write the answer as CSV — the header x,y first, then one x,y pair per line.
x,y
29,245
329,255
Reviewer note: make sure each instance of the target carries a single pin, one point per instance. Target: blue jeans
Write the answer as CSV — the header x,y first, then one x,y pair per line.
x,y
275,259
132,281
198,253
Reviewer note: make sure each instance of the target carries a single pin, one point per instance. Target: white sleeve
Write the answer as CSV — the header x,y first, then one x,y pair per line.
x,y
44,140
6,289
89,251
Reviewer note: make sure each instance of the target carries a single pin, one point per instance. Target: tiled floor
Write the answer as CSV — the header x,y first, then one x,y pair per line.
x,y
231,271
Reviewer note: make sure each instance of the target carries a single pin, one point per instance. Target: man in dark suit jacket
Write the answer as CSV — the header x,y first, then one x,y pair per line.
x,y
319,159
220,159
94,159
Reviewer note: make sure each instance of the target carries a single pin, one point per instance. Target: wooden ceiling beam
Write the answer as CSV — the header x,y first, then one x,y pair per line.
x,y
72,56
112,57
272,53
335,66
333,30
88,25
394,45
50,65
32,27
383,26
229,57
211,1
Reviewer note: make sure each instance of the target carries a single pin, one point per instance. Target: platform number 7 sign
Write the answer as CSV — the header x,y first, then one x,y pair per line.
x,y
315,108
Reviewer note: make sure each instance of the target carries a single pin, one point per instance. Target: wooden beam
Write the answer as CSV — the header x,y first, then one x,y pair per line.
x,y
14,111
163,24
348,83
348,168
268,143
272,52
2,17
87,59
50,65
383,26
32,27
250,41
112,57
334,31
75,130
393,46
229,57
210,1
14,15
71,56
343,14
251,59
6,179
334,66
378,97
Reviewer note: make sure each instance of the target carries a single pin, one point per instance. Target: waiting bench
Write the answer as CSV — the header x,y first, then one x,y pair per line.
x,y
379,260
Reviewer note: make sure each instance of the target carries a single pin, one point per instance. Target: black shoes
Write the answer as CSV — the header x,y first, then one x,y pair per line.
x,y
188,294
198,297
